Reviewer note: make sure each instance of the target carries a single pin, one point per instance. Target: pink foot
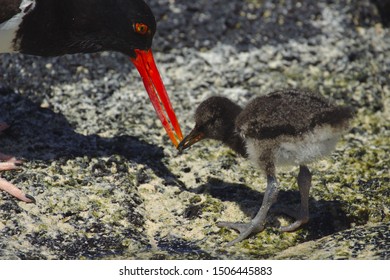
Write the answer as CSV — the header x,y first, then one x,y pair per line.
x,y
11,163
14,191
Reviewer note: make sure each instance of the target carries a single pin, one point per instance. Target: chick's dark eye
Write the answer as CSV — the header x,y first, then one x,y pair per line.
x,y
141,28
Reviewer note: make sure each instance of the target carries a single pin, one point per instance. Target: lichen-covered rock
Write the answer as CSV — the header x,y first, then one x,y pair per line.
x,y
109,184
364,242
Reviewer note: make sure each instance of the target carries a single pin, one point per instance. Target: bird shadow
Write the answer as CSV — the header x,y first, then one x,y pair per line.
x,y
326,217
39,134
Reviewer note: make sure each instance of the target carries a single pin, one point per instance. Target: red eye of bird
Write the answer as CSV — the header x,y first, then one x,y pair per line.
x,y
141,28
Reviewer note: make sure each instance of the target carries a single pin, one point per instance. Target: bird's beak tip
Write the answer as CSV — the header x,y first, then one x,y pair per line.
x,y
193,137
146,66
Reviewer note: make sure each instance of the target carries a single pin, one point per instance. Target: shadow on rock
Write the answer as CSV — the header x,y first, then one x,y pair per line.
x,y
39,134
326,217
177,248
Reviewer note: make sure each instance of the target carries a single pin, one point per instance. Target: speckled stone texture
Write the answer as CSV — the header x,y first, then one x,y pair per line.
x,y
110,185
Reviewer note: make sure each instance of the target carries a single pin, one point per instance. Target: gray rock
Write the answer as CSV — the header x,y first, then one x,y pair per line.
x,y
109,184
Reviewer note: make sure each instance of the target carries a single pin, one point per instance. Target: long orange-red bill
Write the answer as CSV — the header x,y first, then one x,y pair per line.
x,y
144,62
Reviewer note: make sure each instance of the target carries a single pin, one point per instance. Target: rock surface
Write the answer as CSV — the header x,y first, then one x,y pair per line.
x,y
108,183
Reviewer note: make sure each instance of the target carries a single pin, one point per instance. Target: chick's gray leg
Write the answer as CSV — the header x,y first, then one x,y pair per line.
x,y
304,184
258,222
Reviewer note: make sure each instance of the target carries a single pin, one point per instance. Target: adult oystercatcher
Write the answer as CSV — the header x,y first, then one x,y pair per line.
x,y
54,28
285,127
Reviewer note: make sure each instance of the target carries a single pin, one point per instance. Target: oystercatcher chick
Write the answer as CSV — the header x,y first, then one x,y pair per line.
x,y
285,127
54,28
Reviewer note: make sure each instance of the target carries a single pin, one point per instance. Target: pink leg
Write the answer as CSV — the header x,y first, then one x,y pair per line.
x,y
11,163
14,191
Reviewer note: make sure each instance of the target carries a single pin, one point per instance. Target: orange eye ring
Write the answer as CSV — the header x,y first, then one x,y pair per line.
x,y
141,28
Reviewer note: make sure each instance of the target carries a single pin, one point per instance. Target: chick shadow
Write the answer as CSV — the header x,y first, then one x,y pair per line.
x,y
39,134
326,217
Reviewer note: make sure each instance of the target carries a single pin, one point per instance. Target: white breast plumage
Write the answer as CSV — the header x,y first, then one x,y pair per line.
x,y
296,150
9,28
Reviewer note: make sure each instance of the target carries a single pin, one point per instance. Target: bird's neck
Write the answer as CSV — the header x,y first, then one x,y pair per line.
x,y
237,144
231,138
